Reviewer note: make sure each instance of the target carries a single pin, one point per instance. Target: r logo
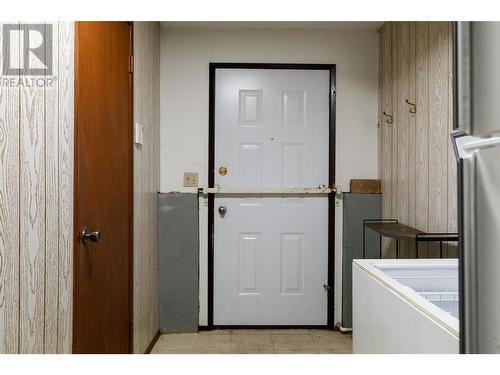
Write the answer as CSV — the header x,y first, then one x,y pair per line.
x,y
27,49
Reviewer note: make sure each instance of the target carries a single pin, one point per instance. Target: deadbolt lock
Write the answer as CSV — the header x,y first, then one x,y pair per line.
x,y
223,171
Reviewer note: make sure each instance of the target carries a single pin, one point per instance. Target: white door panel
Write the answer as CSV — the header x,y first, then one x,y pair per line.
x,y
270,125
270,270
271,251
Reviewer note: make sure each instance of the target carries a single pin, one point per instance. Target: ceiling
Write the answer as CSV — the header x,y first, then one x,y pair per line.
x,y
339,25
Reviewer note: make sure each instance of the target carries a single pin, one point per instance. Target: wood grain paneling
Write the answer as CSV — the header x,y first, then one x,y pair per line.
x,y
403,124
66,112
411,117
385,127
9,215
422,130
32,218
380,116
452,248
36,158
422,186
439,129
51,206
146,183
396,120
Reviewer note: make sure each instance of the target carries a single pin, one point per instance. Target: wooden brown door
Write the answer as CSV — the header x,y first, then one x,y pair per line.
x,y
103,188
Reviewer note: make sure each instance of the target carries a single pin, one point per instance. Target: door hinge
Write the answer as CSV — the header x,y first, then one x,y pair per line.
x,y
326,287
131,64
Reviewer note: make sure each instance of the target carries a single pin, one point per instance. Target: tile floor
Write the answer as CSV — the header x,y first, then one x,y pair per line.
x,y
247,341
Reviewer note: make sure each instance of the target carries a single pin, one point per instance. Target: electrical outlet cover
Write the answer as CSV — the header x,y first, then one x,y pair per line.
x,y
190,179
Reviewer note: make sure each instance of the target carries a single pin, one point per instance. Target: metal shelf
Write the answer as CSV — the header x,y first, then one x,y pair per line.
x,y
391,228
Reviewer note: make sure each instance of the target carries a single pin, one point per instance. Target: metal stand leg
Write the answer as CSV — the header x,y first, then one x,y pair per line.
x,y
365,221
380,246
364,250
397,248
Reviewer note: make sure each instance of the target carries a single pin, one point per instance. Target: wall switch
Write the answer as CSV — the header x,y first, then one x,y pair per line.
x,y
138,133
190,179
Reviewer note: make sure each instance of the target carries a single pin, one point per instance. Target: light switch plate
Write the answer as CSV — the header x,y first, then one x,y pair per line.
x,y
190,179
138,134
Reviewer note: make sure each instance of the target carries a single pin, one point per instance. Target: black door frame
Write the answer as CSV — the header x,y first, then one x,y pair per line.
x,y
331,179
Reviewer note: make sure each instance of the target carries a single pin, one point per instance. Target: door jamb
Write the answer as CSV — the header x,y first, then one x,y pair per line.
x,y
331,179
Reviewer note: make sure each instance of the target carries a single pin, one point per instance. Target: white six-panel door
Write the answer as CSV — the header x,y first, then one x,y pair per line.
x,y
271,251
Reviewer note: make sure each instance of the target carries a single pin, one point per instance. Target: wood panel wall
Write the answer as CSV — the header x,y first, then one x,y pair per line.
x,y
36,207
416,160
146,183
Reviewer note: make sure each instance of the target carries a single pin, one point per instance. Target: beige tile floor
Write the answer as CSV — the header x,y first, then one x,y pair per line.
x,y
247,341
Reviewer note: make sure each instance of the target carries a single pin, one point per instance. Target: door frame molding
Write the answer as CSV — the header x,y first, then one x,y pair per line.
x,y
130,201
331,180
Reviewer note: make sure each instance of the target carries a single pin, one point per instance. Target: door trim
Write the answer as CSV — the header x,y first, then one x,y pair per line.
x,y
331,179
76,230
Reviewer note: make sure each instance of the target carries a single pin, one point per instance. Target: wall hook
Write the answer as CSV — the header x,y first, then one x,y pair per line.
x,y
389,118
413,107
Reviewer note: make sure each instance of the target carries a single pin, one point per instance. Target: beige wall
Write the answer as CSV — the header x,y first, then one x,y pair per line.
x,y
36,208
146,183
186,54
416,160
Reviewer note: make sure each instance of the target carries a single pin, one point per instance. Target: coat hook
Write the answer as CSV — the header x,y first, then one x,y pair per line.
x,y
389,118
413,107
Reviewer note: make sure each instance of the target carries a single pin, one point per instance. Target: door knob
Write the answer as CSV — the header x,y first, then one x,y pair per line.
x,y
222,211
223,171
90,236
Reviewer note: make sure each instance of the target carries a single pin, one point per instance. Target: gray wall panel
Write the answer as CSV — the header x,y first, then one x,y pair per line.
x,y
356,208
178,262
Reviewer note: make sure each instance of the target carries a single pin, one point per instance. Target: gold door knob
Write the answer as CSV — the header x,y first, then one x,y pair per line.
x,y
222,171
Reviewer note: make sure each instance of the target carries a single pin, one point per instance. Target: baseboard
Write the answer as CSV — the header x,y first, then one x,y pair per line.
x,y
153,342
